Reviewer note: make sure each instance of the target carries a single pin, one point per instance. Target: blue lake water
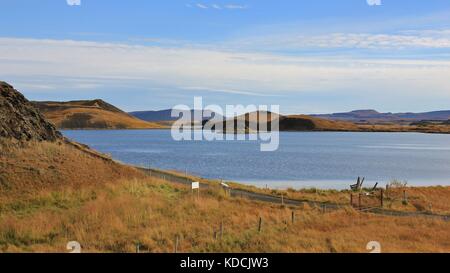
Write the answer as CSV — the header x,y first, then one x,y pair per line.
x,y
303,160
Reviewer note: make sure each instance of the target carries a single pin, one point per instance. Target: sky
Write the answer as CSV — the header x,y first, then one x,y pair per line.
x,y
308,56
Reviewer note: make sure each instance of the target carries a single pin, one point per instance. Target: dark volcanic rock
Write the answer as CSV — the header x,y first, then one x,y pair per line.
x,y
20,120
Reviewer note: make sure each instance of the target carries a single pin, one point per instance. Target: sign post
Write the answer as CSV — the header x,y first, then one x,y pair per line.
x,y
196,186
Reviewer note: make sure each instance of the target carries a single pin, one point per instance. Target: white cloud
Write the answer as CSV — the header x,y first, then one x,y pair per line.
x,y
228,91
233,6
348,40
374,2
74,2
92,64
217,6
202,6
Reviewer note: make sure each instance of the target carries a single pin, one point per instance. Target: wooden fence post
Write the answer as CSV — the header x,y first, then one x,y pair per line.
x,y
405,197
282,199
381,198
293,217
260,224
351,199
359,201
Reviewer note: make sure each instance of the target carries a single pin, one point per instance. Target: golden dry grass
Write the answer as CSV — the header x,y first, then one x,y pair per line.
x,y
108,207
72,114
333,125
30,166
325,124
420,199
113,217
111,119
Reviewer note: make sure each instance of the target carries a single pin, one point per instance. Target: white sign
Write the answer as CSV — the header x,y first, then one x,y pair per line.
x,y
195,185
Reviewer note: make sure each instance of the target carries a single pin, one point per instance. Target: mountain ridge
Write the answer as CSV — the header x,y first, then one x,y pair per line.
x,y
165,114
373,116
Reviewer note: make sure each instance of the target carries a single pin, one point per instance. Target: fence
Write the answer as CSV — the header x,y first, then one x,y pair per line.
x,y
379,198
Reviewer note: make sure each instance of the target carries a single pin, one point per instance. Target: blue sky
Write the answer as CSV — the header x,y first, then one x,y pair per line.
x,y
307,56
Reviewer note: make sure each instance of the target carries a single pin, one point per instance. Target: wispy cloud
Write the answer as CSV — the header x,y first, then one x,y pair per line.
x,y
201,6
412,40
232,6
217,6
73,2
110,64
227,91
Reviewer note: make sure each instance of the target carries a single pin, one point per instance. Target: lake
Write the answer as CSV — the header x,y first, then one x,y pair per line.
x,y
329,160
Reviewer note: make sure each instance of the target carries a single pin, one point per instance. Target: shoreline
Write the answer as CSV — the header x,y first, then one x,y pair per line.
x,y
284,131
278,197
266,185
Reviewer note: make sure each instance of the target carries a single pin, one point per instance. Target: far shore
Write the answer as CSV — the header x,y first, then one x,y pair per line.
x,y
283,131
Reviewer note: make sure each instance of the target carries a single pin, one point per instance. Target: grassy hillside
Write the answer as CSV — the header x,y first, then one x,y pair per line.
x,y
53,193
296,123
95,114
114,217
420,199
307,123
30,166
292,122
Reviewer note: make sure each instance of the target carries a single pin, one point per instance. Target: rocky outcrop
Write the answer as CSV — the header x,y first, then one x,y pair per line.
x,y
20,120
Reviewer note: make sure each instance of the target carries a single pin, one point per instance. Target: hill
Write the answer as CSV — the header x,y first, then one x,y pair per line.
x,y
298,123
291,123
308,123
34,155
90,114
373,116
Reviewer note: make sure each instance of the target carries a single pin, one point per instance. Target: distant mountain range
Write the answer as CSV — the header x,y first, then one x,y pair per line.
x,y
165,115
358,116
373,116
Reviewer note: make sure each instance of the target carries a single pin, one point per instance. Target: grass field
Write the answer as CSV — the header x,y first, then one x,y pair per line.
x,y
114,217
419,199
108,207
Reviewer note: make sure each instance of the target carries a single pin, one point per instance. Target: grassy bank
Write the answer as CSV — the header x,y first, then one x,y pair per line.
x,y
113,217
418,199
